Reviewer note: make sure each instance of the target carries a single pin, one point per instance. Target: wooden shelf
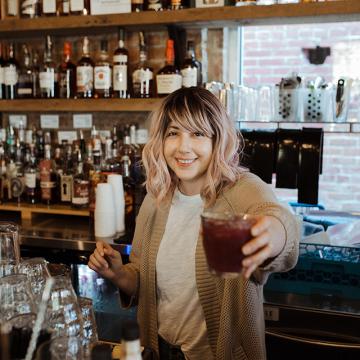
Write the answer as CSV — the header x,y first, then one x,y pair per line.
x,y
342,10
28,210
77,105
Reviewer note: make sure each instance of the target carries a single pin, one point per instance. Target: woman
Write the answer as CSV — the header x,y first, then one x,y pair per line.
x,y
191,162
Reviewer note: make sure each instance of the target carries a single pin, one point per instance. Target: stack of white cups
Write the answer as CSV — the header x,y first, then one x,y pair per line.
x,y
116,182
105,224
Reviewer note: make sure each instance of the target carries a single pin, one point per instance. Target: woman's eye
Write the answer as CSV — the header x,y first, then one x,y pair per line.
x,y
198,133
171,133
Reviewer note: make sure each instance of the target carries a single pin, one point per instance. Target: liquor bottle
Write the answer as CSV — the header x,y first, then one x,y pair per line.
x,y
103,73
31,178
48,178
2,69
142,77
79,7
36,74
48,75
26,77
66,178
49,8
80,193
168,79
191,68
85,72
128,194
137,5
11,76
30,9
120,68
67,75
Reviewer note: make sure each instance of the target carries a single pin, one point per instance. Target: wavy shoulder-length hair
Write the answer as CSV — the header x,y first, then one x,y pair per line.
x,y
193,109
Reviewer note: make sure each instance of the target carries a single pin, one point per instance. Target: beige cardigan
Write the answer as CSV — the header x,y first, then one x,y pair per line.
x,y
233,308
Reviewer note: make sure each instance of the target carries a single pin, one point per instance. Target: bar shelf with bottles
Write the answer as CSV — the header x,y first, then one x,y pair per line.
x,y
42,173
342,10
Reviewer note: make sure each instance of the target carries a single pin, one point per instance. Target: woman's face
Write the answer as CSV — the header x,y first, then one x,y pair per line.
x,y
188,155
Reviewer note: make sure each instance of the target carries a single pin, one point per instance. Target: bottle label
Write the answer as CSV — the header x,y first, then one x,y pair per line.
x,y
142,75
120,58
30,180
81,192
47,79
189,77
120,77
2,75
76,5
49,6
47,184
65,6
12,7
25,91
154,5
168,83
102,77
66,187
84,78
10,75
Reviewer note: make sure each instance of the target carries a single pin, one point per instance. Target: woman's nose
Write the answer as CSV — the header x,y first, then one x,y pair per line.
x,y
184,144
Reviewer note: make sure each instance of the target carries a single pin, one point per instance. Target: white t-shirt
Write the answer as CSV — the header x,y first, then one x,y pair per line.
x,y
180,316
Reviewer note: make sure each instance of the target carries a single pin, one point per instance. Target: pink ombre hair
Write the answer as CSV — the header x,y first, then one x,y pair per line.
x,y
193,109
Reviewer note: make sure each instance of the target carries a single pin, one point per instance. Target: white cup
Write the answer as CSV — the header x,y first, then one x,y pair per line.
x,y
116,182
105,225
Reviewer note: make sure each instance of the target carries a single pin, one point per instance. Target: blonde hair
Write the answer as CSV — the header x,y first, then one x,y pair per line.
x,y
193,109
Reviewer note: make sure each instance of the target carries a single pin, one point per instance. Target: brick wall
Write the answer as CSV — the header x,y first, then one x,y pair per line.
x,y
271,53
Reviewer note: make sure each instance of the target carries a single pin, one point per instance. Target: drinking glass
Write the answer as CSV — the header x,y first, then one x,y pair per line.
x,y
9,242
7,267
15,296
66,348
37,272
90,335
223,237
265,108
63,311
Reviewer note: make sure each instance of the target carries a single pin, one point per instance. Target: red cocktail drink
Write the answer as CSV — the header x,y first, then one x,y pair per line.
x,y
223,238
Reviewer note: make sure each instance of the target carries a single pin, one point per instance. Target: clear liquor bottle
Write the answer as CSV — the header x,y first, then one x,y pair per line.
x,y
48,75
11,74
120,68
168,79
103,73
143,75
26,76
85,72
191,68
67,75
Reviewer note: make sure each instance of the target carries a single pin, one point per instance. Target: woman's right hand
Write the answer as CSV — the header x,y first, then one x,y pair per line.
x,y
105,261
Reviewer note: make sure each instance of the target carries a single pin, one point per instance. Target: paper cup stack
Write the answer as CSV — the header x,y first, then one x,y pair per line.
x,y
116,182
105,225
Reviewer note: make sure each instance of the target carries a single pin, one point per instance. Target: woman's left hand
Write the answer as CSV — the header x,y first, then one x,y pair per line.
x,y
268,240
